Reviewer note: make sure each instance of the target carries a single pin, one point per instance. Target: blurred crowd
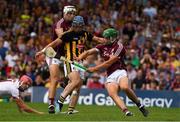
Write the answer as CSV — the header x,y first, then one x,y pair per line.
x,y
149,28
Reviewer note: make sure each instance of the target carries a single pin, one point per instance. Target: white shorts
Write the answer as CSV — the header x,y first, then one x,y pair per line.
x,y
70,67
116,76
50,61
67,66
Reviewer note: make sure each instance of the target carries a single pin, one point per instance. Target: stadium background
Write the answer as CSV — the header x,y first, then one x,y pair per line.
x,y
151,28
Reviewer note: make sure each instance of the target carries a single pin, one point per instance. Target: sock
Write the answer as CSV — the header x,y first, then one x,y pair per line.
x,y
70,108
138,104
124,110
61,99
51,101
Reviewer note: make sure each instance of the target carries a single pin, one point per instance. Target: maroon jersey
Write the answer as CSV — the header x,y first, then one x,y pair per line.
x,y
60,24
113,49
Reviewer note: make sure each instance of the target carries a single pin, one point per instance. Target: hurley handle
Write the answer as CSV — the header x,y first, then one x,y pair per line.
x,y
76,64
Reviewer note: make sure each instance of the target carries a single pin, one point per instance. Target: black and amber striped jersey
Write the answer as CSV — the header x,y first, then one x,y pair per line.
x,y
75,42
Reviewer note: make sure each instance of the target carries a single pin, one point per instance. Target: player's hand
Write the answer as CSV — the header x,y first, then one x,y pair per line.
x,y
40,56
76,58
104,40
91,69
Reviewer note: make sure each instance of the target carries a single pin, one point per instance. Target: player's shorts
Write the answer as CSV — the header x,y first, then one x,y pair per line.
x,y
50,61
116,76
70,67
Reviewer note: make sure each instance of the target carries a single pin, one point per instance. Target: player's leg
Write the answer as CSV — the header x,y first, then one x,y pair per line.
x,y
113,89
130,93
75,94
56,75
75,80
74,99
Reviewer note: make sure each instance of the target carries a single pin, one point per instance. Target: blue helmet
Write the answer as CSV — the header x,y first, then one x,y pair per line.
x,y
78,21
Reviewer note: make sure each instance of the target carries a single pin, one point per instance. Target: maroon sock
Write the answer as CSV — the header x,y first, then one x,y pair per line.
x,y
124,110
51,101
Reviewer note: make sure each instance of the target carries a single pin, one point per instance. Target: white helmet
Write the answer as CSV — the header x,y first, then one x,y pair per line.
x,y
69,9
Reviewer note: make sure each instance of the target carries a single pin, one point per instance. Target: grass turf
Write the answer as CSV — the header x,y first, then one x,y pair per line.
x,y
9,112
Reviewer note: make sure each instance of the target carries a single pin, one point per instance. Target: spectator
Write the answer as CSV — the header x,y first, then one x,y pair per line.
x,y
162,82
176,82
139,82
134,58
131,73
93,82
168,81
11,58
3,49
150,11
151,82
129,30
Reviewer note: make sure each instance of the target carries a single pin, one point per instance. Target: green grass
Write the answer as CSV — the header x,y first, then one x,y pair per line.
x,y
9,112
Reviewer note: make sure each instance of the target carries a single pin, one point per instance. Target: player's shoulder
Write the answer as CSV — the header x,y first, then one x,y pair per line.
x,y
68,32
84,32
100,46
59,23
119,44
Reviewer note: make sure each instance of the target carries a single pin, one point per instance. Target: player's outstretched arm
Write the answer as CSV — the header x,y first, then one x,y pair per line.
x,y
105,64
87,53
52,44
23,107
99,39
59,32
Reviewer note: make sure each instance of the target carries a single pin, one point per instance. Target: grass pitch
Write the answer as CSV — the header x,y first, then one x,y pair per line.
x,y
9,112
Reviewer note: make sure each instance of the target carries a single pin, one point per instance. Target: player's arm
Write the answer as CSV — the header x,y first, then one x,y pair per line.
x,y
59,32
52,44
23,107
105,64
99,39
87,53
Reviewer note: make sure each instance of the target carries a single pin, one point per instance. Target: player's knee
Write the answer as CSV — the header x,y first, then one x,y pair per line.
x,y
125,88
75,77
112,94
75,92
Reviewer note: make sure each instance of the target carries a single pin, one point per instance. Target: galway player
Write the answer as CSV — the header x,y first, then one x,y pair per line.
x,y
113,52
55,65
13,87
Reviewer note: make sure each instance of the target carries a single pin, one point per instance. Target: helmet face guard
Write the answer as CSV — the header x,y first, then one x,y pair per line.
x,y
111,34
78,21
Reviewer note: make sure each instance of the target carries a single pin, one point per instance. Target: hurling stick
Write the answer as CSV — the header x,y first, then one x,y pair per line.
x,y
76,64
50,52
